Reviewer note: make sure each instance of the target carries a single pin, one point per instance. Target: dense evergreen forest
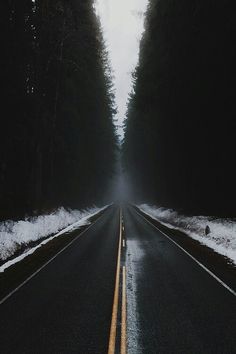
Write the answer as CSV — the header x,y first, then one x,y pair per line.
x,y
58,141
180,144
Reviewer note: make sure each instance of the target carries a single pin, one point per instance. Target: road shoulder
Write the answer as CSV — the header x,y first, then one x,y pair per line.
x,y
216,263
18,273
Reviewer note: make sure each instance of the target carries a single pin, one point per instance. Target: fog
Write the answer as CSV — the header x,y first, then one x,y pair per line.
x,y
122,23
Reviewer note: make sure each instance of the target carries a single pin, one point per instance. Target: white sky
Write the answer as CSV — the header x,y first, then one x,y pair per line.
x,y
122,22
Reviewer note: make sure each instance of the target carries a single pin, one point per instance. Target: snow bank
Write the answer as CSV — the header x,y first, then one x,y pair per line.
x,y
14,235
222,236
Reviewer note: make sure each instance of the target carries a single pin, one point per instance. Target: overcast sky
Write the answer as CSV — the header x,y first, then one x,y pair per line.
x,y
122,22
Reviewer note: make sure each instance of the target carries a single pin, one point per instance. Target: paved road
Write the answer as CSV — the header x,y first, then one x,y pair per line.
x,y
173,305
67,307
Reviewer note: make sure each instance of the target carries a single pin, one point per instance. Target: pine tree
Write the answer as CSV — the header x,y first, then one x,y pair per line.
x,y
57,139
179,145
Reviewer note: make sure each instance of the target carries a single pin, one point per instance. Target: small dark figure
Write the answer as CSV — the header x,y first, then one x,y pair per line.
x,y
207,230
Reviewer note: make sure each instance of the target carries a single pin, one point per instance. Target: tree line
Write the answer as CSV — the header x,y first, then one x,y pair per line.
x,y
57,137
179,147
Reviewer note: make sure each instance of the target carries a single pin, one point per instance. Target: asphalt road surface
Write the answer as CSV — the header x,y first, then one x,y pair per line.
x,y
78,302
66,308
176,306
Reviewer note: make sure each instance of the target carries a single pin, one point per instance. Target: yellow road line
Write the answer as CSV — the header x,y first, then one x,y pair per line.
x,y
112,339
123,315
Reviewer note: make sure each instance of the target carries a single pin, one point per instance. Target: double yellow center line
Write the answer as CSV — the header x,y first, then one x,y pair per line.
x,y
113,330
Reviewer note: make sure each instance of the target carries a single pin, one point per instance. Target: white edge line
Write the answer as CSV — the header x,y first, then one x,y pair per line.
x,y
194,259
49,261
85,221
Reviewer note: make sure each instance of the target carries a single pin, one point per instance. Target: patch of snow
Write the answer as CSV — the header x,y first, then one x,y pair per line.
x,y
222,235
14,235
134,261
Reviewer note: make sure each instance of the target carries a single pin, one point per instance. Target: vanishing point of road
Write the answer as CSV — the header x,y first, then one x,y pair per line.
x,y
122,286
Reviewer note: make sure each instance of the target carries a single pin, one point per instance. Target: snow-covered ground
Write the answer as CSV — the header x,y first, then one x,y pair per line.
x,y
14,235
222,236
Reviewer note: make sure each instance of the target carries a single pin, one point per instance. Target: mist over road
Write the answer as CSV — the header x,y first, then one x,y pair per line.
x,y
78,302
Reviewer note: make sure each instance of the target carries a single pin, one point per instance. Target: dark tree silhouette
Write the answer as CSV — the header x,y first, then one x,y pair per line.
x,y
180,141
57,140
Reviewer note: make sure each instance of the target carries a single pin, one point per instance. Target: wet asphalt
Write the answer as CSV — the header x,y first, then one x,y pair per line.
x,y
173,305
66,308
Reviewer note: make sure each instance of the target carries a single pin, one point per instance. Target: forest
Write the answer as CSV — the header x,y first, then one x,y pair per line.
x,y
57,141
179,147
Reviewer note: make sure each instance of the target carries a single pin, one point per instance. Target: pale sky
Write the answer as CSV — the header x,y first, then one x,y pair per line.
x,y
122,22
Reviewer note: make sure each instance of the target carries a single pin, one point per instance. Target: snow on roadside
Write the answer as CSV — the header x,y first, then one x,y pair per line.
x,y
15,234
222,236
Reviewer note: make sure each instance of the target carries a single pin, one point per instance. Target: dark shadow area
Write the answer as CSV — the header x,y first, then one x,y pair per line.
x,y
179,147
57,138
